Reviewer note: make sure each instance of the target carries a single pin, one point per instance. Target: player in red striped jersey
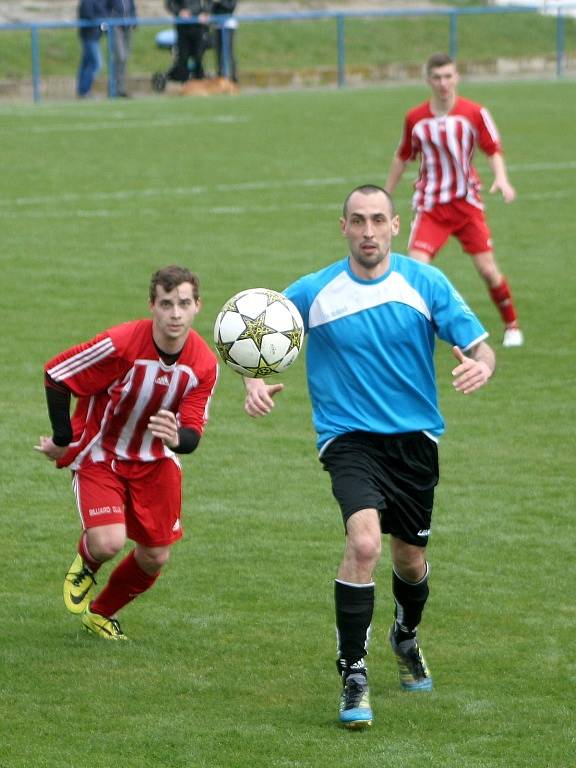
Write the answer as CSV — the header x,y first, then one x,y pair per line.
x,y
444,133
143,391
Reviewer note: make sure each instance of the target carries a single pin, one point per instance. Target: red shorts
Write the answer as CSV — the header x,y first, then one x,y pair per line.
x,y
145,497
431,229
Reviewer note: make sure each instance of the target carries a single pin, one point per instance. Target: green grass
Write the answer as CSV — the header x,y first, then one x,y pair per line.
x,y
293,45
231,658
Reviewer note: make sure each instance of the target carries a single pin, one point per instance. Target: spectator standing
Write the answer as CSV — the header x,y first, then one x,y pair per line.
x,y
444,133
224,39
122,38
91,57
191,39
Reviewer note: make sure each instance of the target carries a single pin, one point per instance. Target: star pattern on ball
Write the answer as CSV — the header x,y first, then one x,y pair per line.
x,y
295,337
224,350
271,296
256,329
230,306
263,370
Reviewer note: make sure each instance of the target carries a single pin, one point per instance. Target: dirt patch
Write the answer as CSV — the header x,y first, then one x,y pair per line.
x,y
15,11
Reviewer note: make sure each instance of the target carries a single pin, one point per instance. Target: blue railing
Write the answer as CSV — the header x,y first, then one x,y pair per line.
x,y
452,14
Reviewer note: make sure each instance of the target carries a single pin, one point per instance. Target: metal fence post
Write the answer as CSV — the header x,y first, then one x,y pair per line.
x,y
560,42
453,34
226,53
35,62
341,51
110,59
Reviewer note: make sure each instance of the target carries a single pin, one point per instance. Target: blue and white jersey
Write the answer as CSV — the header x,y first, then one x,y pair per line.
x,y
370,351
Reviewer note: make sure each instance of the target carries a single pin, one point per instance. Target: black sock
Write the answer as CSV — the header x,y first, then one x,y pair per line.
x,y
354,609
410,600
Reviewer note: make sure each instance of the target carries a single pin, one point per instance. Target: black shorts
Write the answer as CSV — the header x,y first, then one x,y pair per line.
x,y
395,474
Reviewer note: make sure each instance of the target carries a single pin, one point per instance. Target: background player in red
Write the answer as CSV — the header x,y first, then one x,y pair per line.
x,y
143,390
444,133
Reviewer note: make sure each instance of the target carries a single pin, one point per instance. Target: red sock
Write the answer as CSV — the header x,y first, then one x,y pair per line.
x,y
126,582
84,553
502,298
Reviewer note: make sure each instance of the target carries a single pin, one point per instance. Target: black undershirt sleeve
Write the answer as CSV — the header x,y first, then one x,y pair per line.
x,y
189,440
58,399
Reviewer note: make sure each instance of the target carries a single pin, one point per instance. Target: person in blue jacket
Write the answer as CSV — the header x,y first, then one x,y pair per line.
x,y
91,56
371,321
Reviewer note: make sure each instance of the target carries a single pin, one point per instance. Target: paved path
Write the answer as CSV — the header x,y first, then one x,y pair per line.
x,y
65,10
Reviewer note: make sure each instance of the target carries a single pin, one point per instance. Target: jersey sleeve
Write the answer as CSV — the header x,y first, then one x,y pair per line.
x,y
87,369
407,148
298,294
454,321
488,136
195,406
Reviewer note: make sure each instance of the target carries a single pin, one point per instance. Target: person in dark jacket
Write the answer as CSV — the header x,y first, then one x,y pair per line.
x,y
191,39
91,57
224,39
122,38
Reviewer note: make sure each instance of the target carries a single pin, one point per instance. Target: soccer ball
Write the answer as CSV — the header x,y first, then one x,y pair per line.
x,y
258,332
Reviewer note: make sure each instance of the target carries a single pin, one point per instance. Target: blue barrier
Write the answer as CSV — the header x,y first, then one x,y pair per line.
x,y
452,14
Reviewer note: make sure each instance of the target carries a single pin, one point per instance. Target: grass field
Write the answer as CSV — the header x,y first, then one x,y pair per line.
x,y
231,655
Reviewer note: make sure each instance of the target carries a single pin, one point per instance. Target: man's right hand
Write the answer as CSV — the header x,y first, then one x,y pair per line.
x,y
49,449
260,396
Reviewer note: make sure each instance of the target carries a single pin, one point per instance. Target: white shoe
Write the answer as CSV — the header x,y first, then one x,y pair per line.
x,y
513,337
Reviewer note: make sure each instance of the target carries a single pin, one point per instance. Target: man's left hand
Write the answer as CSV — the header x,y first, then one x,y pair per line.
x,y
470,374
507,190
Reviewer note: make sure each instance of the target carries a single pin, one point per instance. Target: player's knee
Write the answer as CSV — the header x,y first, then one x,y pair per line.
x,y
152,560
365,549
488,269
413,573
410,563
424,256
105,544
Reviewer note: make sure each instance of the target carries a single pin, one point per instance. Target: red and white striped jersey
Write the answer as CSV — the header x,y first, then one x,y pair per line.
x,y
120,381
446,147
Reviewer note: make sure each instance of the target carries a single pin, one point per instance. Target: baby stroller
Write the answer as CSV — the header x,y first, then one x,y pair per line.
x,y
166,40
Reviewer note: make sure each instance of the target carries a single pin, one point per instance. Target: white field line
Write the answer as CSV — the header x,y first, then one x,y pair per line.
x,y
120,121
149,193
237,210
169,191
221,210
528,167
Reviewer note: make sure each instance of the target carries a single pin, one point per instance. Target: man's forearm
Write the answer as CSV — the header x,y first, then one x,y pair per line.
x,y
483,353
395,173
498,166
58,400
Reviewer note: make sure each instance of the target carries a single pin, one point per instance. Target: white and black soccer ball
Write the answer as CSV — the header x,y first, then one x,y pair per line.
x,y
258,332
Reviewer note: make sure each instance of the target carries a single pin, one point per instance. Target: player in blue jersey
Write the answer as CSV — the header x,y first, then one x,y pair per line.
x,y
371,321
